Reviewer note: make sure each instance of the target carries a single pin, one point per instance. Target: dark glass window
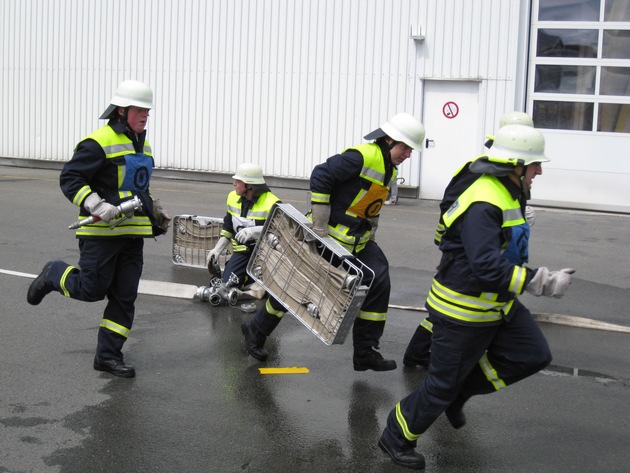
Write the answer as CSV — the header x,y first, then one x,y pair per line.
x,y
567,43
614,117
568,10
565,79
615,81
563,115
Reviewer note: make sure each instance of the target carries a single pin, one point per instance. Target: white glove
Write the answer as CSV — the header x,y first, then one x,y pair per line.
x,y
99,208
374,222
162,216
221,244
320,215
550,283
249,233
530,215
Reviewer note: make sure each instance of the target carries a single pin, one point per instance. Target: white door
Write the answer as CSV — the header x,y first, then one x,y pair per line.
x,y
452,134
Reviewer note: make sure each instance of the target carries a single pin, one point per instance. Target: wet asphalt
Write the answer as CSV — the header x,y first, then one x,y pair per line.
x,y
200,404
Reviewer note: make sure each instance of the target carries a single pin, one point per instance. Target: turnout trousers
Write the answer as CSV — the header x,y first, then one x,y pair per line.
x,y
108,267
369,325
467,360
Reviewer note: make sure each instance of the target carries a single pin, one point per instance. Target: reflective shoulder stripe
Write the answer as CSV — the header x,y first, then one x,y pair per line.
x,y
373,163
115,144
486,189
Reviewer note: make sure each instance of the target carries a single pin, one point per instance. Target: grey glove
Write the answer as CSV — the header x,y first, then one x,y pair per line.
x,y
530,215
162,216
221,244
249,233
99,208
550,283
321,216
374,222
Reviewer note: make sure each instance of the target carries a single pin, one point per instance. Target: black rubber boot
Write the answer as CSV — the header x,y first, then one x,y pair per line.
x,y
254,341
369,359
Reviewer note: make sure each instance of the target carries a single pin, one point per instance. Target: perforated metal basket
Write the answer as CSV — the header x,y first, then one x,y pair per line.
x,y
315,279
194,237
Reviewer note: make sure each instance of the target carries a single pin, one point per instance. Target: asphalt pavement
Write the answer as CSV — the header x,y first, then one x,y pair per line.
x,y
199,403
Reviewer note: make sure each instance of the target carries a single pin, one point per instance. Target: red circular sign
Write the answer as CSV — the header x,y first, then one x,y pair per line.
x,y
450,110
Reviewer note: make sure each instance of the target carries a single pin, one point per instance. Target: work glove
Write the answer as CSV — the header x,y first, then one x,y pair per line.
x,y
321,215
247,234
374,222
530,215
101,209
161,216
550,283
214,254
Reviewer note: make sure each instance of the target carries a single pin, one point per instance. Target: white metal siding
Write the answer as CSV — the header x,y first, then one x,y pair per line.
x,y
285,83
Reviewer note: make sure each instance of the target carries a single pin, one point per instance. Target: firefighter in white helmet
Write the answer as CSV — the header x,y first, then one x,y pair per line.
x,y
418,350
248,207
110,166
348,191
484,338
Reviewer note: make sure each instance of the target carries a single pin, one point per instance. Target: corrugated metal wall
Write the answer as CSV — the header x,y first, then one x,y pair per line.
x,y
285,83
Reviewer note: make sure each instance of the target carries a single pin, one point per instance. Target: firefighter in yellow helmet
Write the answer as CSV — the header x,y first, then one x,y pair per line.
x,y
484,338
109,167
348,191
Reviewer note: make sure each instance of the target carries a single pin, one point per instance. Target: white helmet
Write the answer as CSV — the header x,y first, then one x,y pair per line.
x,y
401,127
130,92
249,173
519,142
516,118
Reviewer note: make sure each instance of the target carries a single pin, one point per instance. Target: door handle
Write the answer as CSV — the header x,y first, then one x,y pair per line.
x,y
427,142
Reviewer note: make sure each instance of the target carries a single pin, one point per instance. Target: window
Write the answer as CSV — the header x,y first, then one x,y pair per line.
x,y
580,72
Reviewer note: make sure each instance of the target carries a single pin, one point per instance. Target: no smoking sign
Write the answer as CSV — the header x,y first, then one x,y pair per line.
x,y
450,110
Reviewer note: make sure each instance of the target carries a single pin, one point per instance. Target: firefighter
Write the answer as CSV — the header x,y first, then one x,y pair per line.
x,y
419,347
348,191
248,207
110,166
484,339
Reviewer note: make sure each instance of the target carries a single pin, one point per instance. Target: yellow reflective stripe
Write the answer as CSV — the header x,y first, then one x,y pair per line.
x,y
319,198
403,425
80,196
114,327
372,175
62,282
269,308
517,283
491,373
118,149
226,234
486,301
427,325
443,302
258,215
139,225
232,210
359,196
373,316
125,194
237,247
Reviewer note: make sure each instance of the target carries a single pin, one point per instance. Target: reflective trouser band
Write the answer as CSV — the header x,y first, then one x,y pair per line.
x,y
62,282
116,328
403,425
491,373
427,325
372,316
271,311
